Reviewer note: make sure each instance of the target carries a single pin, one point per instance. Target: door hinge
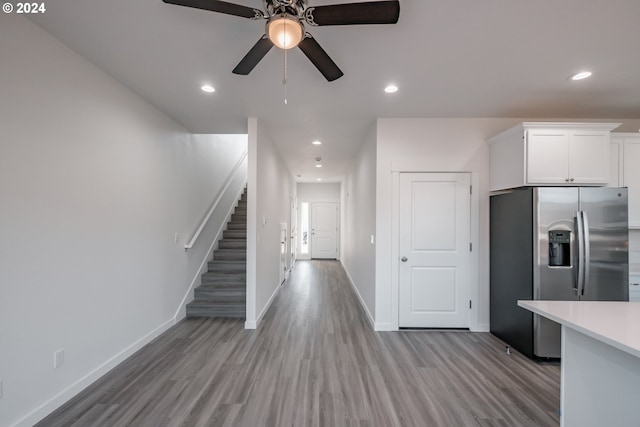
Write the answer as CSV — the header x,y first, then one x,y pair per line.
x,y
469,304
470,247
471,189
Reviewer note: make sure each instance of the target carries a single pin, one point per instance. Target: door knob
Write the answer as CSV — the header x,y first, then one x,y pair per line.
x,y
403,259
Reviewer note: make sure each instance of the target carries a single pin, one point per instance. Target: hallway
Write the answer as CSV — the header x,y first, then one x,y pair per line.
x,y
315,361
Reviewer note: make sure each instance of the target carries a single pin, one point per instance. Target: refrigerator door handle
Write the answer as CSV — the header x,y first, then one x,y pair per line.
x,y
580,257
587,253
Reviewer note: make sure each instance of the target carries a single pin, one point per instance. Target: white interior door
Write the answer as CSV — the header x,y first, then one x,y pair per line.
x,y
435,250
324,230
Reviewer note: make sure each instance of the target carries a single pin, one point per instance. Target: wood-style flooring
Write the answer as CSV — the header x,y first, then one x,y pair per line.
x,y
315,361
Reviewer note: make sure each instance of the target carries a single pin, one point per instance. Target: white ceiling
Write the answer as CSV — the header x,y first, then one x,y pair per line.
x,y
450,58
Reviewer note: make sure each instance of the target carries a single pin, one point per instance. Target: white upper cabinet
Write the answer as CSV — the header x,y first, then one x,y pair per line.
x,y
629,169
551,154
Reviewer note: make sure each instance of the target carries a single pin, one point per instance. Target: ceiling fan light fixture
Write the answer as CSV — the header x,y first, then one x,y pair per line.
x,y
285,31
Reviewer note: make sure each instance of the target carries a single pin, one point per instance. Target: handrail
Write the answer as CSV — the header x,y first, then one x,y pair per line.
x,y
215,203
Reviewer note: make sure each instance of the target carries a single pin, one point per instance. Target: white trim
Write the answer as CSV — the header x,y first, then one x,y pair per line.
x,y
355,289
254,325
215,203
474,290
181,313
395,251
61,398
482,327
384,327
252,220
398,167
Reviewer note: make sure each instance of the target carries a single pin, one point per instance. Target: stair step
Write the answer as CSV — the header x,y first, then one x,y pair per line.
x,y
239,218
228,266
208,309
228,293
232,244
217,278
230,254
240,226
240,210
234,234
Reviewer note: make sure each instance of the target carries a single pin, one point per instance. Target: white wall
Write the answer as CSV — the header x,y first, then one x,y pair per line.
x,y
309,192
271,189
94,182
359,207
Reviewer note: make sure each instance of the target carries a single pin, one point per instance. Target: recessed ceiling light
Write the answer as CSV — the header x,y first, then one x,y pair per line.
x,y
207,88
581,75
319,179
318,166
317,142
391,89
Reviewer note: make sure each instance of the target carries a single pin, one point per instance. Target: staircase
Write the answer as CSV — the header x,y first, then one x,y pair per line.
x,y
223,289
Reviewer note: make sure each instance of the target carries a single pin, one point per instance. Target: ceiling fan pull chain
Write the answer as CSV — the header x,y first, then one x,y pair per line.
x,y
284,80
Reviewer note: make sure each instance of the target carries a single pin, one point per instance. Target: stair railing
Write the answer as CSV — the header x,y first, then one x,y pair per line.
x,y
216,202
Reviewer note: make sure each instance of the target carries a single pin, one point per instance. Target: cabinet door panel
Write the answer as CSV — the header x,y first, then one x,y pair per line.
x,y
547,157
589,157
632,178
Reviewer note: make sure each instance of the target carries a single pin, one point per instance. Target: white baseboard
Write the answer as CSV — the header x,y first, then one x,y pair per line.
x,y
254,325
384,327
482,327
57,401
250,325
355,289
268,304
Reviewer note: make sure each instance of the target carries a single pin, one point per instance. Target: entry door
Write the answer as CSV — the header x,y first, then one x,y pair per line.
x,y
324,230
435,250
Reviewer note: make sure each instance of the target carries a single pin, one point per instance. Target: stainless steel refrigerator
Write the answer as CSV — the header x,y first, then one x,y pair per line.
x,y
550,243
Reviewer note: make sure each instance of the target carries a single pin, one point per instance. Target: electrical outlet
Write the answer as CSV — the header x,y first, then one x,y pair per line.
x,y
175,238
58,358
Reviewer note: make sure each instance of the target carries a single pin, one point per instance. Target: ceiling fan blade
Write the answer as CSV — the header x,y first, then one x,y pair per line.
x,y
220,6
310,47
375,12
251,59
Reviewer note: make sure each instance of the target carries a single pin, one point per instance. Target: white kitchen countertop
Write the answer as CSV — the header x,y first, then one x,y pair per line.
x,y
614,323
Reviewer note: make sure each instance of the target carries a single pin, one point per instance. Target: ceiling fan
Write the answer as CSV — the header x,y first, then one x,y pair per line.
x,y
285,28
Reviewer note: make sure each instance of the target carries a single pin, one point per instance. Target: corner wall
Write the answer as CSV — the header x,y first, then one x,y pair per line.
x,y
359,211
94,185
270,191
